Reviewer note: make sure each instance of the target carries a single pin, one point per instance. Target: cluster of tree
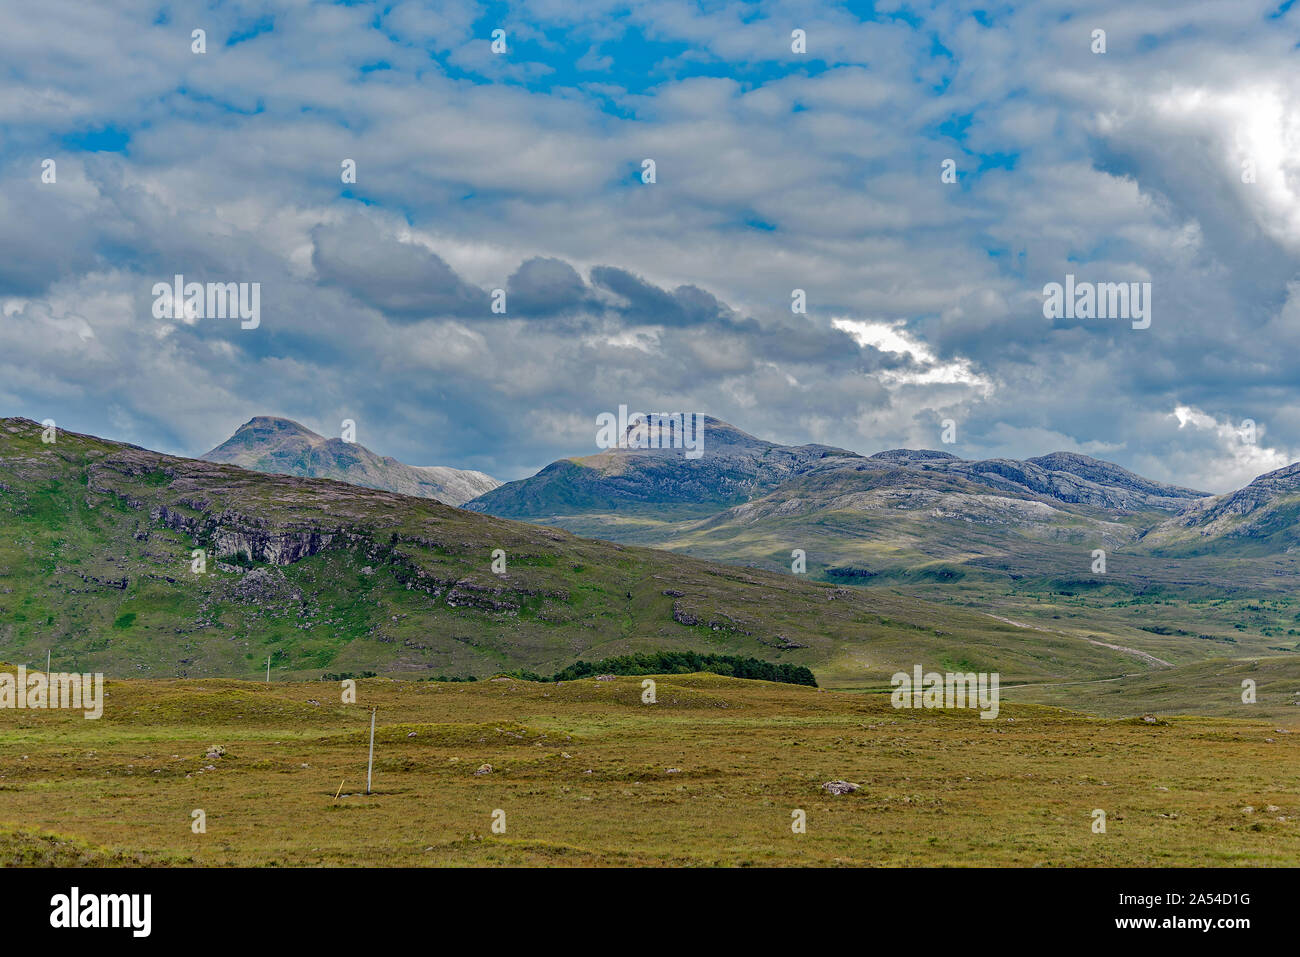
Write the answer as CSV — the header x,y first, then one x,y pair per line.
x,y
679,663
345,675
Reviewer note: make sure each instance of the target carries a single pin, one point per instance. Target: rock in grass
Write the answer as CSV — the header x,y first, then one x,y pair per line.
x,y
840,787
484,769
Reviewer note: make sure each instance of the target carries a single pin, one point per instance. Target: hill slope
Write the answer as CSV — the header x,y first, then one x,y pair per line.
x,y
753,502
1262,517
1015,538
282,446
896,511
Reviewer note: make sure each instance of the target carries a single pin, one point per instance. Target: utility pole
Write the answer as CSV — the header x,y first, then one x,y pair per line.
x,y
268,669
371,763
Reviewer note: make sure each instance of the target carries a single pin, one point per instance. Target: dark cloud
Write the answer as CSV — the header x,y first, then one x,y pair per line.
x,y
642,302
544,287
403,280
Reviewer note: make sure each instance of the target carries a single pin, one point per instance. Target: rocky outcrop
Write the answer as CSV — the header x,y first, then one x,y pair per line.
x,y
1078,480
262,586
230,534
1266,509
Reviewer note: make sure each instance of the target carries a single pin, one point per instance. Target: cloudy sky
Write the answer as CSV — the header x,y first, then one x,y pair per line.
x,y
774,171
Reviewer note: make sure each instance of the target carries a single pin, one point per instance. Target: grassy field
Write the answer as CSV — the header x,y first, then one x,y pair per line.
x,y
586,774
1206,688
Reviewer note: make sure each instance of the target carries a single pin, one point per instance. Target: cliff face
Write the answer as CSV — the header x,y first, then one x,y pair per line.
x,y
236,538
232,534
283,447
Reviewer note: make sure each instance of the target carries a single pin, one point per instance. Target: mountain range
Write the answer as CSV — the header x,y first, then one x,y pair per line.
x,y
983,566
1061,537
902,513
738,468
754,501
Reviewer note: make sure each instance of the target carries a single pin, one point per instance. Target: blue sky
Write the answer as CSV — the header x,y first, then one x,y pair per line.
x,y
775,170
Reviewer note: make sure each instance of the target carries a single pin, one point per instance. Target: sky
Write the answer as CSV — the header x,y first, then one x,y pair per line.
x,y
1171,158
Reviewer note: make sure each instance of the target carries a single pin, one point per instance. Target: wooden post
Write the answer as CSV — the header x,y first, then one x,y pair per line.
x,y
371,763
268,669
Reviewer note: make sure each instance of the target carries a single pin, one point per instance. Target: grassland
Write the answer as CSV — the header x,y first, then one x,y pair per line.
x,y
588,775
1209,688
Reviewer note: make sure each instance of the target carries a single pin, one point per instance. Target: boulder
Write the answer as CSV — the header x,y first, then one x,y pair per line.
x,y
840,787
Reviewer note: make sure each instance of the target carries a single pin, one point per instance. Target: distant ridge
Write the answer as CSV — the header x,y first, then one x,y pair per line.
x,y
736,468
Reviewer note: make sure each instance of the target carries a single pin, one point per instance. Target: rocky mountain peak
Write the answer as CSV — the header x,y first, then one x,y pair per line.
x,y
282,446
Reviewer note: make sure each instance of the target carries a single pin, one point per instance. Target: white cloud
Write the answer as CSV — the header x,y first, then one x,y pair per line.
x,y
774,173
1237,451
893,337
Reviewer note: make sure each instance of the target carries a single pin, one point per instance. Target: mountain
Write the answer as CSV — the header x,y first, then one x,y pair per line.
x,y
1076,479
915,505
97,566
902,514
1263,516
736,468
282,446
733,467
1057,541
1064,476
